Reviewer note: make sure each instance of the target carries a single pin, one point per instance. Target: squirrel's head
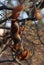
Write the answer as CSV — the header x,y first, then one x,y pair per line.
x,y
16,11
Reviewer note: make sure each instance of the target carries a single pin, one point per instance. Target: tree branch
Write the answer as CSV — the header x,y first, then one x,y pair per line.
x,y
4,7
17,19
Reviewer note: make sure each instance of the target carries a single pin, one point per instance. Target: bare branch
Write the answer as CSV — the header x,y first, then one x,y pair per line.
x,y
5,7
17,19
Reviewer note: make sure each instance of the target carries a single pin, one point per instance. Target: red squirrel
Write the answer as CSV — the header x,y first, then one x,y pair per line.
x,y
15,32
